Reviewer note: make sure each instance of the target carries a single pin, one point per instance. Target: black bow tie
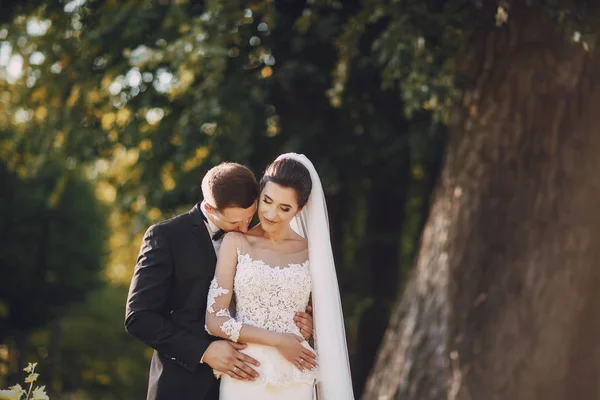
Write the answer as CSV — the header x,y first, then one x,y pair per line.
x,y
219,234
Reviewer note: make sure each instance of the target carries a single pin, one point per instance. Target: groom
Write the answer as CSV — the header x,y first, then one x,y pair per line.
x,y
166,304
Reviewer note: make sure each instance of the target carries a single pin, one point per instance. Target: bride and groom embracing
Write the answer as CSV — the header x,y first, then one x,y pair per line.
x,y
190,279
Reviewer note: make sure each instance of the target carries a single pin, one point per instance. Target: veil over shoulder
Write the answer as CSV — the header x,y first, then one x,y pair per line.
x,y
335,382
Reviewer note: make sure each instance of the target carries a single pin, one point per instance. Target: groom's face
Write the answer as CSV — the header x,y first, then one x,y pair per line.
x,y
233,218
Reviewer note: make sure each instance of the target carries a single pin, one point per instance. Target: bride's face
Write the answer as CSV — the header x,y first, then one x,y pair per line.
x,y
277,206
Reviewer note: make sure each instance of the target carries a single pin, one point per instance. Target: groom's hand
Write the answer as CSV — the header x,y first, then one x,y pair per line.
x,y
304,322
225,357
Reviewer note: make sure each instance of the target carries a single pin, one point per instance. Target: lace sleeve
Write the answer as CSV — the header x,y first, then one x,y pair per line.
x,y
219,321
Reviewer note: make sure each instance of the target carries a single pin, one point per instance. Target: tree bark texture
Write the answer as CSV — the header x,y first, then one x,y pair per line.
x,y
504,301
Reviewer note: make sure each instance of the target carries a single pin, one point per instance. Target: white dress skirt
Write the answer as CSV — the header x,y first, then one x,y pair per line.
x,y
278,379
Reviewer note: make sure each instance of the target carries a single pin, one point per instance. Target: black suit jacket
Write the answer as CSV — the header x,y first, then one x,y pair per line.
x,y
166,306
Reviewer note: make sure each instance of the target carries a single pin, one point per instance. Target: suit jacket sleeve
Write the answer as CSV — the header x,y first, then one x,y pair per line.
x,y
147,304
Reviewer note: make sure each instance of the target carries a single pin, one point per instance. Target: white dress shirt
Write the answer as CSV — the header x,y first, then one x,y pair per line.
x,y
212,229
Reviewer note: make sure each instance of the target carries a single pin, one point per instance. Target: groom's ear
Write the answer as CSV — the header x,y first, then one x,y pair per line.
x,y
208,208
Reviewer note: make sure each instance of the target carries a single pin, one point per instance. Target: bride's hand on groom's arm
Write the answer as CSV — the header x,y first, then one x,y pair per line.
x,y
290,346
304,322
225,357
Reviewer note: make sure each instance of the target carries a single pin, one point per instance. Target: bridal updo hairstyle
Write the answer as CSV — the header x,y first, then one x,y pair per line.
x,y
291,174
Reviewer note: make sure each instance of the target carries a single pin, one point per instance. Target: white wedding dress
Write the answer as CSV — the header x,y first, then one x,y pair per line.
x,y
269,288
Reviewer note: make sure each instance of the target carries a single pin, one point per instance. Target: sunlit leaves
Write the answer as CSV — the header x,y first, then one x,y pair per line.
x,y
196,159
166,176
154,115
414,51
163,89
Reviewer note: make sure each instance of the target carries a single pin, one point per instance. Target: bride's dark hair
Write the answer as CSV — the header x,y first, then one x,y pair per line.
x,y
289,173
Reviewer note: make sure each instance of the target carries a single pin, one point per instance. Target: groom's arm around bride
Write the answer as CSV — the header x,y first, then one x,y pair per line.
x,y
166,307
148,317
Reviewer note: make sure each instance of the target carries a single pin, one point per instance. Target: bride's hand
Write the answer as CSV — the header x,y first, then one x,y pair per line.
x,y
290,346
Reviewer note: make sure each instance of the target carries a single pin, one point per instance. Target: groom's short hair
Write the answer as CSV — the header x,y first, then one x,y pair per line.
x,y
230,185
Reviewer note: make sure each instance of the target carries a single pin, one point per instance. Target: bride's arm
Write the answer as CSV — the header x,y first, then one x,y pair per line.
x,y
219,321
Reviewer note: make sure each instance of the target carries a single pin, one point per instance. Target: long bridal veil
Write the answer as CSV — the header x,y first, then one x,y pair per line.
x,y
335,382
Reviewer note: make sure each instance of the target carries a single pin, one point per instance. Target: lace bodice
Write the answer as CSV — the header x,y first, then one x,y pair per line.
x,y
269,296
268,288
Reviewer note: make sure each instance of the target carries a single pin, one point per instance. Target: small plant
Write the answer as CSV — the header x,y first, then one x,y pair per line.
x,y
16,392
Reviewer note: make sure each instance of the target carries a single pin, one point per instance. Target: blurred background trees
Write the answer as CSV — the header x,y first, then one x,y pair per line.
x,y
141,98
50,256
111,112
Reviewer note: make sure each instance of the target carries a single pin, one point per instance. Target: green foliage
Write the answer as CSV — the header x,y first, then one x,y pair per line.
x,y
418,49
51,247
144,97
92,353
162,92
425,46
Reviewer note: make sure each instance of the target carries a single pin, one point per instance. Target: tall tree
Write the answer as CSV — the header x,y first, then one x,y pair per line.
x,y
52,237
501,303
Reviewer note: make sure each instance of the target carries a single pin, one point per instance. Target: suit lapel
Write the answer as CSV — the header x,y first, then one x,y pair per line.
x,y
203,237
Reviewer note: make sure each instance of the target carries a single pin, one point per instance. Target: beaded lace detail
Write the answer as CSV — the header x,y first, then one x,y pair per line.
x,y
230,327
269,289
213,292
269,297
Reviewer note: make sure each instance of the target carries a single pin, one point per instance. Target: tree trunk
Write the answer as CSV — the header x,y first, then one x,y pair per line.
x,y
503,299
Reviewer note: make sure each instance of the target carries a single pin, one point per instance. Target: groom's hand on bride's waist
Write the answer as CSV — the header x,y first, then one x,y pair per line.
x,y
225,356
304,322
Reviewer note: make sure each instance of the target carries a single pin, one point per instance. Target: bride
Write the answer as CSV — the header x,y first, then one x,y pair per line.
x,y
273,271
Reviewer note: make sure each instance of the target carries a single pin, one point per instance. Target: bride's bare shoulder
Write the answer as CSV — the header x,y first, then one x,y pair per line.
x,y
234,237
299,242
253,234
